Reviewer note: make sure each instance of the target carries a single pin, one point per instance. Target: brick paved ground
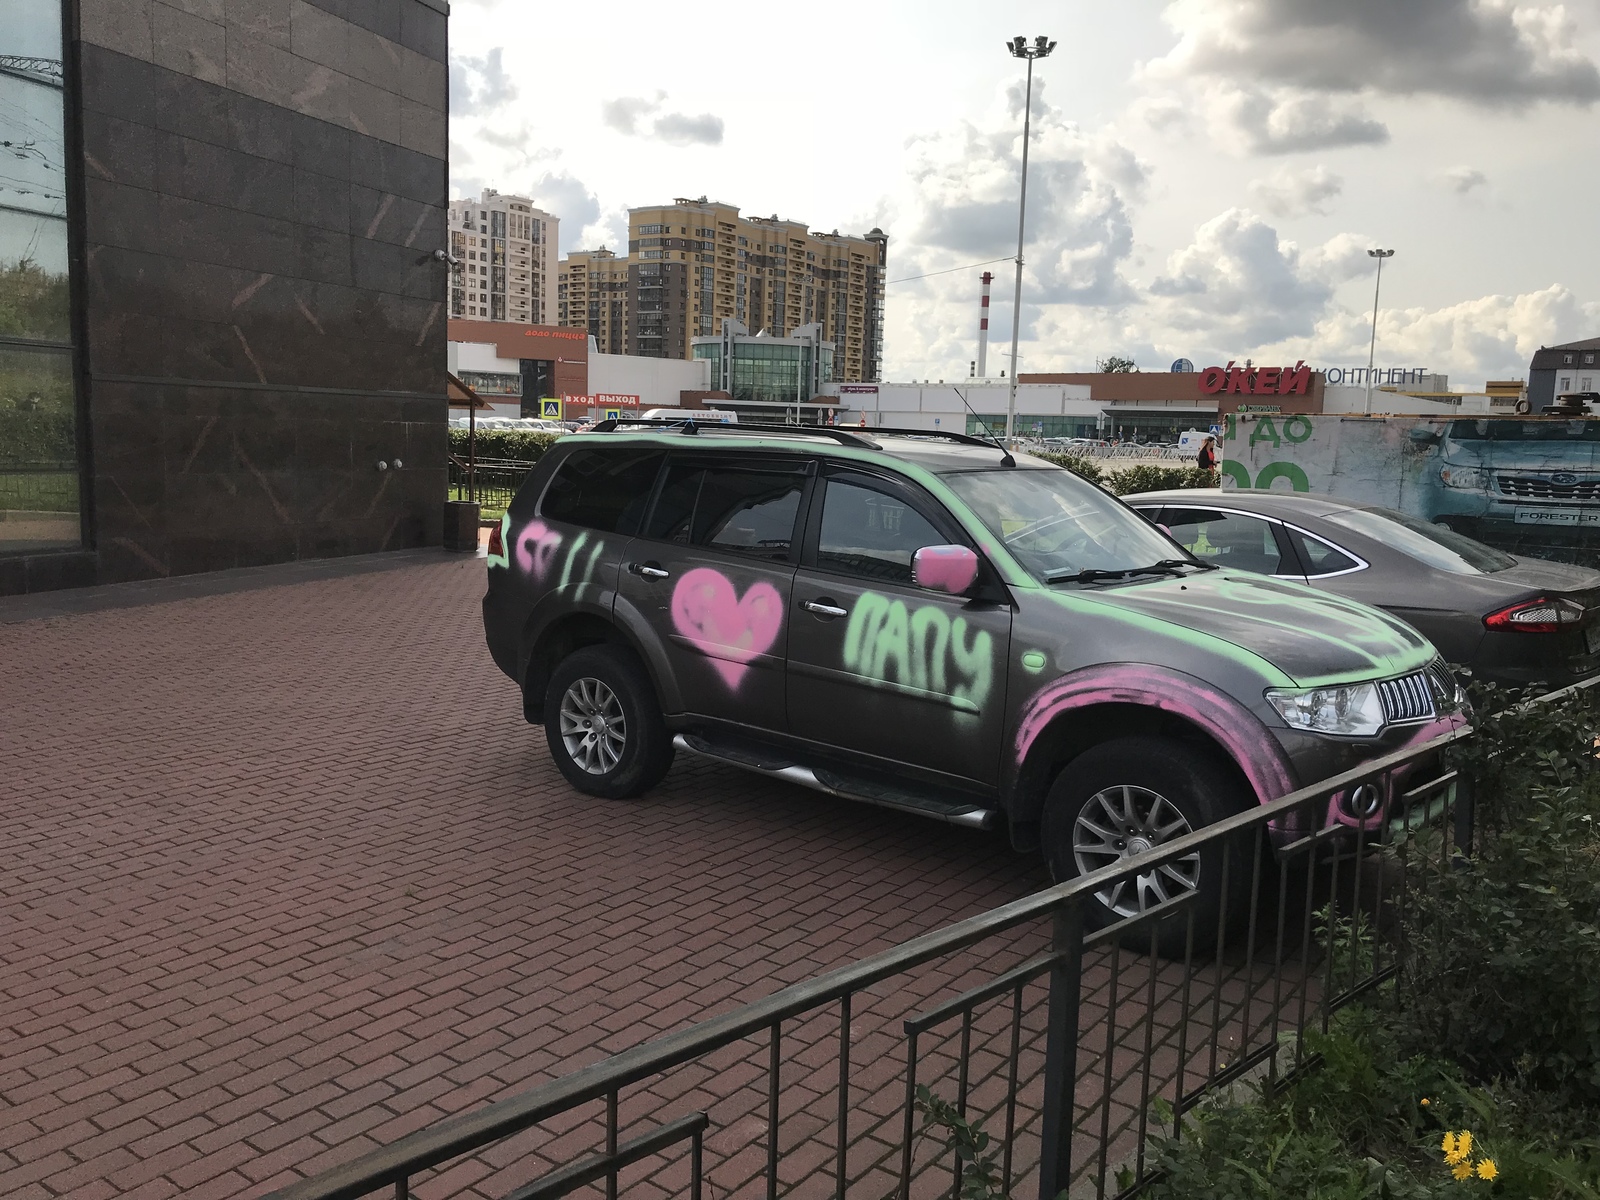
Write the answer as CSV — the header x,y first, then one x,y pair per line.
x,y
285,875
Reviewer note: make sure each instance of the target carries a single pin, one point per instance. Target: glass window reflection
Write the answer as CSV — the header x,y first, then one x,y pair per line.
x,y
39,490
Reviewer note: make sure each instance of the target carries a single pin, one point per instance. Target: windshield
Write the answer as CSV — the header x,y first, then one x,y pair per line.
x,y
1431,544
1502,430
1055,523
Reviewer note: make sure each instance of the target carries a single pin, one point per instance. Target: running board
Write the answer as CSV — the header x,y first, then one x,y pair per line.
x,y
951,812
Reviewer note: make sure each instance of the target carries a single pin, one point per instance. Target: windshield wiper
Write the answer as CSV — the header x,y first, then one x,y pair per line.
x,y
1167,566
1087,575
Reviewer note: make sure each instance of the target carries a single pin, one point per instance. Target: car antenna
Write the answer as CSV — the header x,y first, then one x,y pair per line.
x,y
1005,455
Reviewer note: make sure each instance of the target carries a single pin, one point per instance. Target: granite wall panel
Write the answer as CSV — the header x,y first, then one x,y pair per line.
x,y
204,478
264,185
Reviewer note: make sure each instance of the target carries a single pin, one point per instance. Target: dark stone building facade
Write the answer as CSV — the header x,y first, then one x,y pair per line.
x,y
254,194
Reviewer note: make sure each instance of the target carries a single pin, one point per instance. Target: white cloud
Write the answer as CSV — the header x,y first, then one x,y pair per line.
x,y
1463,180
479,85
1315,68
1490,337
1297,193
964,201
1238,283
1495,53
1283,121
627,115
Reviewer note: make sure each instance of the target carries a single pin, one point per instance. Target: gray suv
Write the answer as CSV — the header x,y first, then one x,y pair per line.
x,y
927,623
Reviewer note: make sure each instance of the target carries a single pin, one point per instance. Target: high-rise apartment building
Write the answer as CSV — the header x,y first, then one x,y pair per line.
x,y
592,294
694,262
505,252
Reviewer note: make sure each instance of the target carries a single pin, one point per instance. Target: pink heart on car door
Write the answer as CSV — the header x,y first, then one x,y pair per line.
x,y
727,629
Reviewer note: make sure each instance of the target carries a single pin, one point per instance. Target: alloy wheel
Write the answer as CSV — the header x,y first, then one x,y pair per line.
x,y
593,727
1123,822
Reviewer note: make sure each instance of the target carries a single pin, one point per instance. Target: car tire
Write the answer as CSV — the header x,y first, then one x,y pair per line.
x,y
603,724
1161,789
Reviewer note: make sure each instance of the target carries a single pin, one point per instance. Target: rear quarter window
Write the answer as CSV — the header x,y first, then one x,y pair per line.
x,y
606,490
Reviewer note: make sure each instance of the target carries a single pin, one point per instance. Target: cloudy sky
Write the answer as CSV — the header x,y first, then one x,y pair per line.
x,y
1205,175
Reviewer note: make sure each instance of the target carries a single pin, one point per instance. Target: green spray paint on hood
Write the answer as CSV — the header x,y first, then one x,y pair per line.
x,y
1311,639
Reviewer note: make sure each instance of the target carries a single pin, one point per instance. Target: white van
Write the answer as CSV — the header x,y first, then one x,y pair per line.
x,y
710,416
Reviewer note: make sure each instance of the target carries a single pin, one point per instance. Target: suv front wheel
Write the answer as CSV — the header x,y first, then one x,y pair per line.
x,y
1127,796
603,724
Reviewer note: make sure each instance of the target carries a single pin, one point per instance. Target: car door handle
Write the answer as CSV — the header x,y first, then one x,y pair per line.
x,y
648,570
823,609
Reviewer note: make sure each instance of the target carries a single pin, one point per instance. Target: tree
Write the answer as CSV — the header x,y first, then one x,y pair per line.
x,y
1114,364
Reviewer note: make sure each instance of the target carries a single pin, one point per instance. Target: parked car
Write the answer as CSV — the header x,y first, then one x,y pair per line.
x,y
924,622
1501,472
1509,619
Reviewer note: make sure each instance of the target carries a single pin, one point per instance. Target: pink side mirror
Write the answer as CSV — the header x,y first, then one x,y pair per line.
x,y
944,568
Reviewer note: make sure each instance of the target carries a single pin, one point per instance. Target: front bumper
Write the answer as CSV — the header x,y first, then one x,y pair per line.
x,y
1315,757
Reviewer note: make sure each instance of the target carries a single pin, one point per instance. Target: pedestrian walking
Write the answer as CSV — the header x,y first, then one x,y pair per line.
x,y
1206,460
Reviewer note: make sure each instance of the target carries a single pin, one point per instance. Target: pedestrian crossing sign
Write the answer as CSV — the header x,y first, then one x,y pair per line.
x,y
613,414
550,409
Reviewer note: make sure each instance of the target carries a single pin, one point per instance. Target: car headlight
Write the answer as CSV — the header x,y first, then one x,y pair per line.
x,y
1353,710
1475,478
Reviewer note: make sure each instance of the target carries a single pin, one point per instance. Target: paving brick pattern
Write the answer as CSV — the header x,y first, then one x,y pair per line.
x,y
285,876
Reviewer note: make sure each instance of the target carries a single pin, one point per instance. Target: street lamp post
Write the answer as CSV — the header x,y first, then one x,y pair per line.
x,y
1018,48
1372,346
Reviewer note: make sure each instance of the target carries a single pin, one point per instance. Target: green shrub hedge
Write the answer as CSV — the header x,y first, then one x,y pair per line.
x,y
524,444
1130,480
1493,1028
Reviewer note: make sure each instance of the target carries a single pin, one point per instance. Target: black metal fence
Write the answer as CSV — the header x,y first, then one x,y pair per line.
x,y
1053,1037
497,480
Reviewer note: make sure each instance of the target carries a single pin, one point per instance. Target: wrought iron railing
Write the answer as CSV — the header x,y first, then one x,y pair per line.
x,y
497,480
1054,1036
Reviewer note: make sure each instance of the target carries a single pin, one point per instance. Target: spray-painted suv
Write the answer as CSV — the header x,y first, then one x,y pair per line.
x,y
929,624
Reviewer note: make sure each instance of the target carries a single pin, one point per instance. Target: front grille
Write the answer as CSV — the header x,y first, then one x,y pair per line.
x,y
1444,683
1409,698
1532,487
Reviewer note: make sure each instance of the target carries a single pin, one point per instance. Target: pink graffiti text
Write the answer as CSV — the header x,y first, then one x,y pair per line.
x,y
728,629
536,546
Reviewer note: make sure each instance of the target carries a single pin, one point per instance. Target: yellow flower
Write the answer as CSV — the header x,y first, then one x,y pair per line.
x,y
1456,1147
1462,1170
1464,1143
1487,1169
1449,1144
1426,1102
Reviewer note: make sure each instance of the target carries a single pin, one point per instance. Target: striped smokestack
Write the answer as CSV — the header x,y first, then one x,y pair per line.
x,y
983,327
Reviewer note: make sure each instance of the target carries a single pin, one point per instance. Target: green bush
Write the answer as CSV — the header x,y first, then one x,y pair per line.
x,y
1129,480
1158,479
1370,1122
1505,946
1087,468
33,301
526,445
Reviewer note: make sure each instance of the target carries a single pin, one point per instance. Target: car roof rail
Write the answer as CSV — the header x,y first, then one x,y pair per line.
x,y
965,439
844,437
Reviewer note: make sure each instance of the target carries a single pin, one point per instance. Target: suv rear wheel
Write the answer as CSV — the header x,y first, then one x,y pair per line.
x,y
603,724
1125,797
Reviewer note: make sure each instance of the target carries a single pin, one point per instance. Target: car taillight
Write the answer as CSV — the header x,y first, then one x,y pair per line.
x,y
496,546
1544,614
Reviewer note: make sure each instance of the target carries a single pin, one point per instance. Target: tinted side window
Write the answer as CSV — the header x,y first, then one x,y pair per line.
x,y
1319,557
871,533
1225,539
602,489
744,510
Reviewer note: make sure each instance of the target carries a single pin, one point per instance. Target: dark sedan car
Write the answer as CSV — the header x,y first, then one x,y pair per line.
x,y
1510,619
